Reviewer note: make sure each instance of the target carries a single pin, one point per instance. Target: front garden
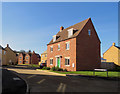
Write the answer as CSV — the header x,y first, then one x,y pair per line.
x,y
88,73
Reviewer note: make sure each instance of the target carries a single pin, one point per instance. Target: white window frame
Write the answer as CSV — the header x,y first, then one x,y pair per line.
x,y
50,48
58,47
68,58
50,61
45,55
89,32
66,47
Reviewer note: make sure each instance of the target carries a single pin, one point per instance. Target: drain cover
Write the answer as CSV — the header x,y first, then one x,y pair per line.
x,y
16,78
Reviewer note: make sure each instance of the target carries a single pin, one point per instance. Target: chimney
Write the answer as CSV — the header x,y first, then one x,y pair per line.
x,y
7,45
33,51
113,44
61,28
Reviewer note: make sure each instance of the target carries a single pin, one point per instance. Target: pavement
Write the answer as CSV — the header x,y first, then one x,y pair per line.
x,y
40,81
12,83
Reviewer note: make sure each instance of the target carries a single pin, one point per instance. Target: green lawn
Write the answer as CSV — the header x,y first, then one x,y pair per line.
x,y
101,74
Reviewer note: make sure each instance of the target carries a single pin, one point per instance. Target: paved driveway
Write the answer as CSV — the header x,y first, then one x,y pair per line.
x,y
39,81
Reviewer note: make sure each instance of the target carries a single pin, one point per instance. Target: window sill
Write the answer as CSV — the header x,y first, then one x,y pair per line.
x,y
67,49
51,64
67,65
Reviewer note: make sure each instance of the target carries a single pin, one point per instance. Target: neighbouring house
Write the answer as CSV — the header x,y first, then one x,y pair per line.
x,y
43,57
112,54
10,56
21,58
35,58
75,48
28,58
2,56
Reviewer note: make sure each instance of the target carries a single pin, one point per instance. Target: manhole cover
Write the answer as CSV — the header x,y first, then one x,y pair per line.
x,y
16,78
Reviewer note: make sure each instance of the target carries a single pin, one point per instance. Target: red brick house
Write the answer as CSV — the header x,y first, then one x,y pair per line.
x,y
35,58
21,58
29,58
75,48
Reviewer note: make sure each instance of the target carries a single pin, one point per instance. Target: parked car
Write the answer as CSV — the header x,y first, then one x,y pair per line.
x,y
42,65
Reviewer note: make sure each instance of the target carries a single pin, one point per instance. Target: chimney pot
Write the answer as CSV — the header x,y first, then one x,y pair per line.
x,y
113,44
61,28
7,45
33,51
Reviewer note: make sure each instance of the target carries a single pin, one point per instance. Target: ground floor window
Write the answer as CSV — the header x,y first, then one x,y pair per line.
x,y
20,61
51,61
67,61
26,61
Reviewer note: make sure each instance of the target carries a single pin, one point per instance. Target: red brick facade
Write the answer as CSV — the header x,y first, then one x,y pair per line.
x,y
84,52
20,59
35,58
29,58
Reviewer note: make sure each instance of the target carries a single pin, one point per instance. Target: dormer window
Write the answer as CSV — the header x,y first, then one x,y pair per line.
x,y
70,32
89,32
54,38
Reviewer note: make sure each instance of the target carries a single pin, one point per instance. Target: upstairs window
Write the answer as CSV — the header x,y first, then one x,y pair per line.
x,y
58,46
67,46
51,48
45,55
26,57
20,57
67,61
89,32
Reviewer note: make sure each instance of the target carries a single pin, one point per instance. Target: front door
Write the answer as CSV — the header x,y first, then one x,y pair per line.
x,y
58,62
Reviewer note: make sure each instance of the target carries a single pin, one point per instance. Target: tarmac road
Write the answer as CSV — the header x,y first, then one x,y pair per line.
x,y
43,82
11,83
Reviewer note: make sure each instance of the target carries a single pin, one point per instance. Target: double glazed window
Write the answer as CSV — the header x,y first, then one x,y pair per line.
x,y
67,61
26,57
67,46
58,46
51,61
89,32
51,48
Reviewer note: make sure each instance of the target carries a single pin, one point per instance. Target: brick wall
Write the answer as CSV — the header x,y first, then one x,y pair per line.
x,y
88,49
64,53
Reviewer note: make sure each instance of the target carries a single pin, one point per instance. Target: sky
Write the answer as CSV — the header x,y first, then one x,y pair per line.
x,y
30,26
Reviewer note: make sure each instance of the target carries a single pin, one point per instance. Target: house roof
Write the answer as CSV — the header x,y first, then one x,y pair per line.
x,y
118,47
63,35
1,47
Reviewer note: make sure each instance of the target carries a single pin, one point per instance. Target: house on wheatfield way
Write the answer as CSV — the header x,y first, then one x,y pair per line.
x,y
10,56
112,54
29,58
35,58
75,48
21,58
43,57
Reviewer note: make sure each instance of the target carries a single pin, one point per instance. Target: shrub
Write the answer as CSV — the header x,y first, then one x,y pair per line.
x,y
44,68
53,68
48,68
65,70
